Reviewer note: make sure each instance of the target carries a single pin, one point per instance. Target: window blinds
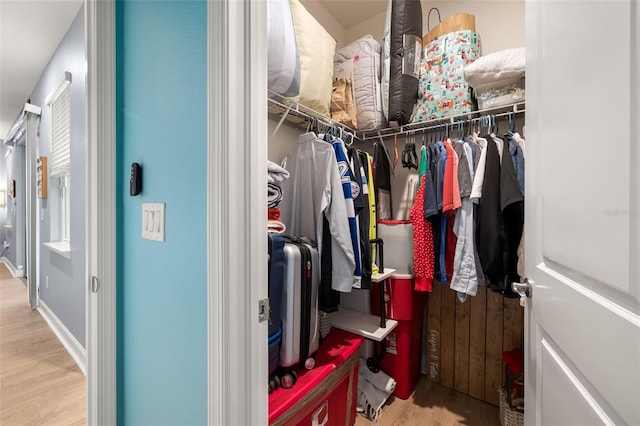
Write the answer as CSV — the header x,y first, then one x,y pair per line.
x,y
61,129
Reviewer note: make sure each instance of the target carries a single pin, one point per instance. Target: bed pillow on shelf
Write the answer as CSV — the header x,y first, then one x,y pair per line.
x,y
499,66
283,61
498,79
316,49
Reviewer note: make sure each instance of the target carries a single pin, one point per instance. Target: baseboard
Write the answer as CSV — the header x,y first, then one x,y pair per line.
x,y
75,349
15,272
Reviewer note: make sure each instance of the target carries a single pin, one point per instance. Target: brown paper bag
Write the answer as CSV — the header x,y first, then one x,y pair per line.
x,y
343,108
459,22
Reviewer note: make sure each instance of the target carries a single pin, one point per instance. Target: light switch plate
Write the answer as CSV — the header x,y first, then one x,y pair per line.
x,y
153,221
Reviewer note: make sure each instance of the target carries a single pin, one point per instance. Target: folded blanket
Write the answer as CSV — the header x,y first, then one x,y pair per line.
x,y
274,213
276,227
274,195
380,380
370,399
275,173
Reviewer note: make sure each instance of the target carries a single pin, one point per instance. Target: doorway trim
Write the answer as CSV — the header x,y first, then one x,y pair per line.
x,y
237,211
25,129
100,169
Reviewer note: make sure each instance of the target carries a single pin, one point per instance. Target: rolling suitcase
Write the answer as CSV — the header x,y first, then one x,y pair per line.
x,y
300,321
275,280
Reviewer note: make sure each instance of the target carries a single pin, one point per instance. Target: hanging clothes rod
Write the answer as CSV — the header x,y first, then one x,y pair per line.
x,y
444,122
284,109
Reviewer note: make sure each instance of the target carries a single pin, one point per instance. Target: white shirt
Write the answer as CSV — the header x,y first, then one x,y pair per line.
x,y
313,190
478,179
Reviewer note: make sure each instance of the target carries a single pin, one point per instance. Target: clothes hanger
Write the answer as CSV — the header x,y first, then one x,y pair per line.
x,y
348,138
512,123
409,155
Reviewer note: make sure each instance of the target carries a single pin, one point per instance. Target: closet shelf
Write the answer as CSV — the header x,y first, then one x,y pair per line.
x,y
297,115
362,324
376,278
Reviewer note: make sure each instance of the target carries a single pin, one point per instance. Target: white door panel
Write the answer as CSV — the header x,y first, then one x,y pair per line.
x,y
583,212
578,321
575,408
586,119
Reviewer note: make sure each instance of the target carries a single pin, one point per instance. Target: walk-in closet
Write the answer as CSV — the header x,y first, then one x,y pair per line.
x,y
422,107
456,339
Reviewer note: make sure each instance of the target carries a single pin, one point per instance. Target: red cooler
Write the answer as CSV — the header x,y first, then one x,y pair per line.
x,y
404,343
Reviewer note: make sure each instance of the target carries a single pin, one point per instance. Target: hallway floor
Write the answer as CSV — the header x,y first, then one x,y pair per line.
x,y
40,384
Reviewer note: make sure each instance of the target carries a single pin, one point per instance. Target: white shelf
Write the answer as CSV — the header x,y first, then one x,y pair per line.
x,y
376,278
63,248
365,325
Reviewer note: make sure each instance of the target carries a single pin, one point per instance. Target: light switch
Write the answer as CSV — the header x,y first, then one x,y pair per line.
x,y
153,221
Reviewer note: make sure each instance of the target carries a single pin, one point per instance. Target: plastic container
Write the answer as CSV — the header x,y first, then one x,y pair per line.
x,y
501,93
404,343
398,244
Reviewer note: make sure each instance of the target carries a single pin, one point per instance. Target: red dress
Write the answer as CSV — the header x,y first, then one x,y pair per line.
x,y
423,255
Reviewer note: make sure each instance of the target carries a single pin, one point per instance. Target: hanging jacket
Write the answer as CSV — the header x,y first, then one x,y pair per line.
x,y
382,172
349,189
490,227
362,217
512,207
367,161
313,192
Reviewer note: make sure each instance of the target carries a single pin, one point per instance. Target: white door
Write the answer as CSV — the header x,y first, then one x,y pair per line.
x,y
583,212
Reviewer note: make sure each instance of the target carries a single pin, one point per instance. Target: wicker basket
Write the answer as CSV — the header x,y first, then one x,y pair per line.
x,y
508,416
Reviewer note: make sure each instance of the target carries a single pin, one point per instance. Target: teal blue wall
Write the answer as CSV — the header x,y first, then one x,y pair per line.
x,y
161,80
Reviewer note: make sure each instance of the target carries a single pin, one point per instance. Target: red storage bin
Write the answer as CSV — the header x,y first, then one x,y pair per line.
x,y
404,343
327,394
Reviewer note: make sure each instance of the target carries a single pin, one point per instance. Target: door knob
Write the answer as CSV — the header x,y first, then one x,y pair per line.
x,y
523,289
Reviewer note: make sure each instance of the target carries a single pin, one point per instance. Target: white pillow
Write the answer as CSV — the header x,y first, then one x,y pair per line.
x,y
316,49
495,67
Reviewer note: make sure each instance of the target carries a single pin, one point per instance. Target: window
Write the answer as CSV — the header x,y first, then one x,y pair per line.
x,y
60,103
65,209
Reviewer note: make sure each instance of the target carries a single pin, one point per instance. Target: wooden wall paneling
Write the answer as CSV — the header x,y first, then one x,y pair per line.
x,y
494,368
433,334
461,348
477,339
513,328
447,336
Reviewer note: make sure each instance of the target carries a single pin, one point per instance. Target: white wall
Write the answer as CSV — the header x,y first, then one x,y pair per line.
x,y
500,23
373,26
66,290
326,19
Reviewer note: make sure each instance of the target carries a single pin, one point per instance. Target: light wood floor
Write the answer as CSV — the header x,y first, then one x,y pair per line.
x,y
434,405
40,384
